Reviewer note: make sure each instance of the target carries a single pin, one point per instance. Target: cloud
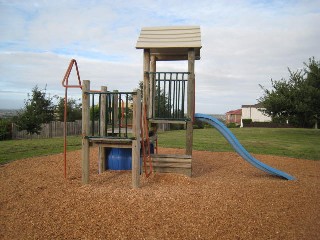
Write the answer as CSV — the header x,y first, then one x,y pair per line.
x,y
245,44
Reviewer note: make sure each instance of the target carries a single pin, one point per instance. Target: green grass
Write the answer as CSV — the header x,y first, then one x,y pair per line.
x,y
18,149
297,143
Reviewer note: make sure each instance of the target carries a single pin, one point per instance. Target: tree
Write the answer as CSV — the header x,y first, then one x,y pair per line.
x,y
295,100
312,72
74,110
38,109
94,112
5,129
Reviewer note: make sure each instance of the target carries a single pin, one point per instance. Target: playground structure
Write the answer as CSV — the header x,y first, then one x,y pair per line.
x,y
168,97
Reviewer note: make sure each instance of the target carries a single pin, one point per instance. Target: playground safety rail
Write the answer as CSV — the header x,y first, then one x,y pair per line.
x,y
117,111
170,90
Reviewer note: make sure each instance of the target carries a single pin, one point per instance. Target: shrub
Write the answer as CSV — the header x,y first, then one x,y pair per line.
x,y
5,129
232,125
198,124
174,126
246,121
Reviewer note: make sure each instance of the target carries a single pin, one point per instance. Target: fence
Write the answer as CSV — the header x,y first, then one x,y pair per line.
x,y
50,130
55,129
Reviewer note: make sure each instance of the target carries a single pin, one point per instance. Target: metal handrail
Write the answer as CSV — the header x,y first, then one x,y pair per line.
x,y
65,84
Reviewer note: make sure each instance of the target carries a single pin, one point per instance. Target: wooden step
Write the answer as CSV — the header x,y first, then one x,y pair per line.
x,y
172,163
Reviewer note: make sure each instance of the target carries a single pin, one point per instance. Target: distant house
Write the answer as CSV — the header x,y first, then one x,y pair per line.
x,y
252,112
234,116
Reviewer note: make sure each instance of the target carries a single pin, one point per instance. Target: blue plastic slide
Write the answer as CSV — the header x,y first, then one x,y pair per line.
x,y
239,148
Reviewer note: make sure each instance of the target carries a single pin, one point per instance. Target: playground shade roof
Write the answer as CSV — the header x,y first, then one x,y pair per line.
x,y
170,43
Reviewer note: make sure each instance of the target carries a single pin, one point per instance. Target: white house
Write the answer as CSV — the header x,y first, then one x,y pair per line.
x,y
252,112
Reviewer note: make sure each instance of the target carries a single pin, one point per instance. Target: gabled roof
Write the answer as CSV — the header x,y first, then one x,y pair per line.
x,y
235,112
170,43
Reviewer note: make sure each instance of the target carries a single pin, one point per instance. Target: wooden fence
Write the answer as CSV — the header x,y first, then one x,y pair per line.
x,y
50,130
55,129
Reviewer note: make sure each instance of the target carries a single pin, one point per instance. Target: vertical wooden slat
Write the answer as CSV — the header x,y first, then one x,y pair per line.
x,y
102,155
146,70
85,131
115,110
153,68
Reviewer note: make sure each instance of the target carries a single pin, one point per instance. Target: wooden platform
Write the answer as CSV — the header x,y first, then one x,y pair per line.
x,y
172,164
152,120
111,142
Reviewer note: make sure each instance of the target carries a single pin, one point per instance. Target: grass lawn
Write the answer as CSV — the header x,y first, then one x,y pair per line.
x,y
291,142
298,143
18,149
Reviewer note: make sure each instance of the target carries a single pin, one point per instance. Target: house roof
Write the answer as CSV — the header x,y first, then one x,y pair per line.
x,y
235,112
170,43
258,105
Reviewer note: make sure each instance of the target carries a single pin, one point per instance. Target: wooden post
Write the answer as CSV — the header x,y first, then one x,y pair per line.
x,y
146,86
85,131
136,142
115,108
102,154
153,68
190,101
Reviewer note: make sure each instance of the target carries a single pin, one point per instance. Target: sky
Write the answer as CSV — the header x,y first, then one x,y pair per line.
x,y
244,44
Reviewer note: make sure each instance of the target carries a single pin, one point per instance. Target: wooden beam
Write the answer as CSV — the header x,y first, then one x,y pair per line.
x,y
168,57
167,121
85,131
102,153
184,171
171,165
136,143
190,101
110,145
179,156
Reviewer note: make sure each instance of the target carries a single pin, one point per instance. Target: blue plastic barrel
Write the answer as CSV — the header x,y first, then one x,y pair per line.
x,y
121,158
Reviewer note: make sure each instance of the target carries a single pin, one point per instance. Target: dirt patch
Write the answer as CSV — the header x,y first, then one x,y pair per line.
x,y
225,199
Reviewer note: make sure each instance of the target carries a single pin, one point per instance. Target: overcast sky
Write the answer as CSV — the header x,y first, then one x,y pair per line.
x,y
244,44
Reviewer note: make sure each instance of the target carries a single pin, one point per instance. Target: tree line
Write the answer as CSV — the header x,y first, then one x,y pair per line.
x,y
296,100
40,108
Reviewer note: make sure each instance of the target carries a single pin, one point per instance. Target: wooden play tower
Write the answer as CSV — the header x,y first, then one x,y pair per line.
x,y
169,97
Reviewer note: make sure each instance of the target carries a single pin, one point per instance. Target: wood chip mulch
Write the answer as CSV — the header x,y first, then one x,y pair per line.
x,y
225,199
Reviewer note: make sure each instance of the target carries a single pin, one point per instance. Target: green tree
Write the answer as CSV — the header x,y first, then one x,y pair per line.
x,y
95,112
5,129
161,104
38,109
295,100
74,110
312,72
